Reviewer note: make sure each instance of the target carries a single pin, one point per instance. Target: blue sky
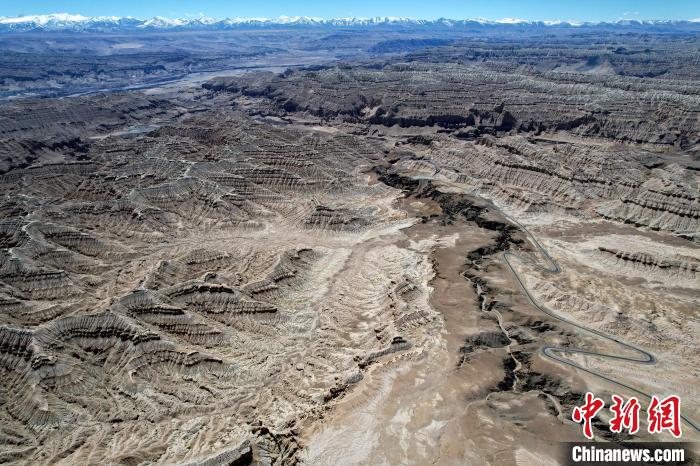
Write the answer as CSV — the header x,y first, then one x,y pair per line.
x,y
587,10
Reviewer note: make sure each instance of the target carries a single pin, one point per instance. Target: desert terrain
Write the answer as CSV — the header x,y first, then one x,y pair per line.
x,y
346,246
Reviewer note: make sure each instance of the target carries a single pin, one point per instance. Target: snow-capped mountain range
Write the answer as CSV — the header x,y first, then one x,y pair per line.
x,y
74,22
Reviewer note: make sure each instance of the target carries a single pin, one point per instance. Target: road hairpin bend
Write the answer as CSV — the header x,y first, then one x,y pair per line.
x,y
555,352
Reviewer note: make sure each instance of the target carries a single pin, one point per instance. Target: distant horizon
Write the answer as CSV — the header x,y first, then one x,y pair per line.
x,y
490,10
506,20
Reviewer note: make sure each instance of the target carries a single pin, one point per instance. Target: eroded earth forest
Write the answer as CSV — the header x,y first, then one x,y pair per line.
x,y
313,244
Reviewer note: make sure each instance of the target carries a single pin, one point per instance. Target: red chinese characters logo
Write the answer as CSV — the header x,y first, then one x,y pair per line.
x,y
587,412
665,415
661,415
624,415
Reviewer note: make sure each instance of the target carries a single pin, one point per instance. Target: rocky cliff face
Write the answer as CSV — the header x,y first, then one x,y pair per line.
x,y
530,133
478,101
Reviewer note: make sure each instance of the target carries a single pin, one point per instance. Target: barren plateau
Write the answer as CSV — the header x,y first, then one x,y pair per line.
x,y
407,248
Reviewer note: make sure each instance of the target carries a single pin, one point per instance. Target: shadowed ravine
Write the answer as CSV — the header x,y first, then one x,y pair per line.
x,y
424,187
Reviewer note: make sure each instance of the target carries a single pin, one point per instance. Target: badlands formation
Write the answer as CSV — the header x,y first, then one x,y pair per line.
x,y
416,258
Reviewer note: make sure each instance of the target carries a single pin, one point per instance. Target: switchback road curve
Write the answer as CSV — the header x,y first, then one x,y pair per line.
x,y
555,352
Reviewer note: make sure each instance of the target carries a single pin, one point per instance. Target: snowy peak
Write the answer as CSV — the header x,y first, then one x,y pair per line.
x,y
76,22
65,22
46,19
